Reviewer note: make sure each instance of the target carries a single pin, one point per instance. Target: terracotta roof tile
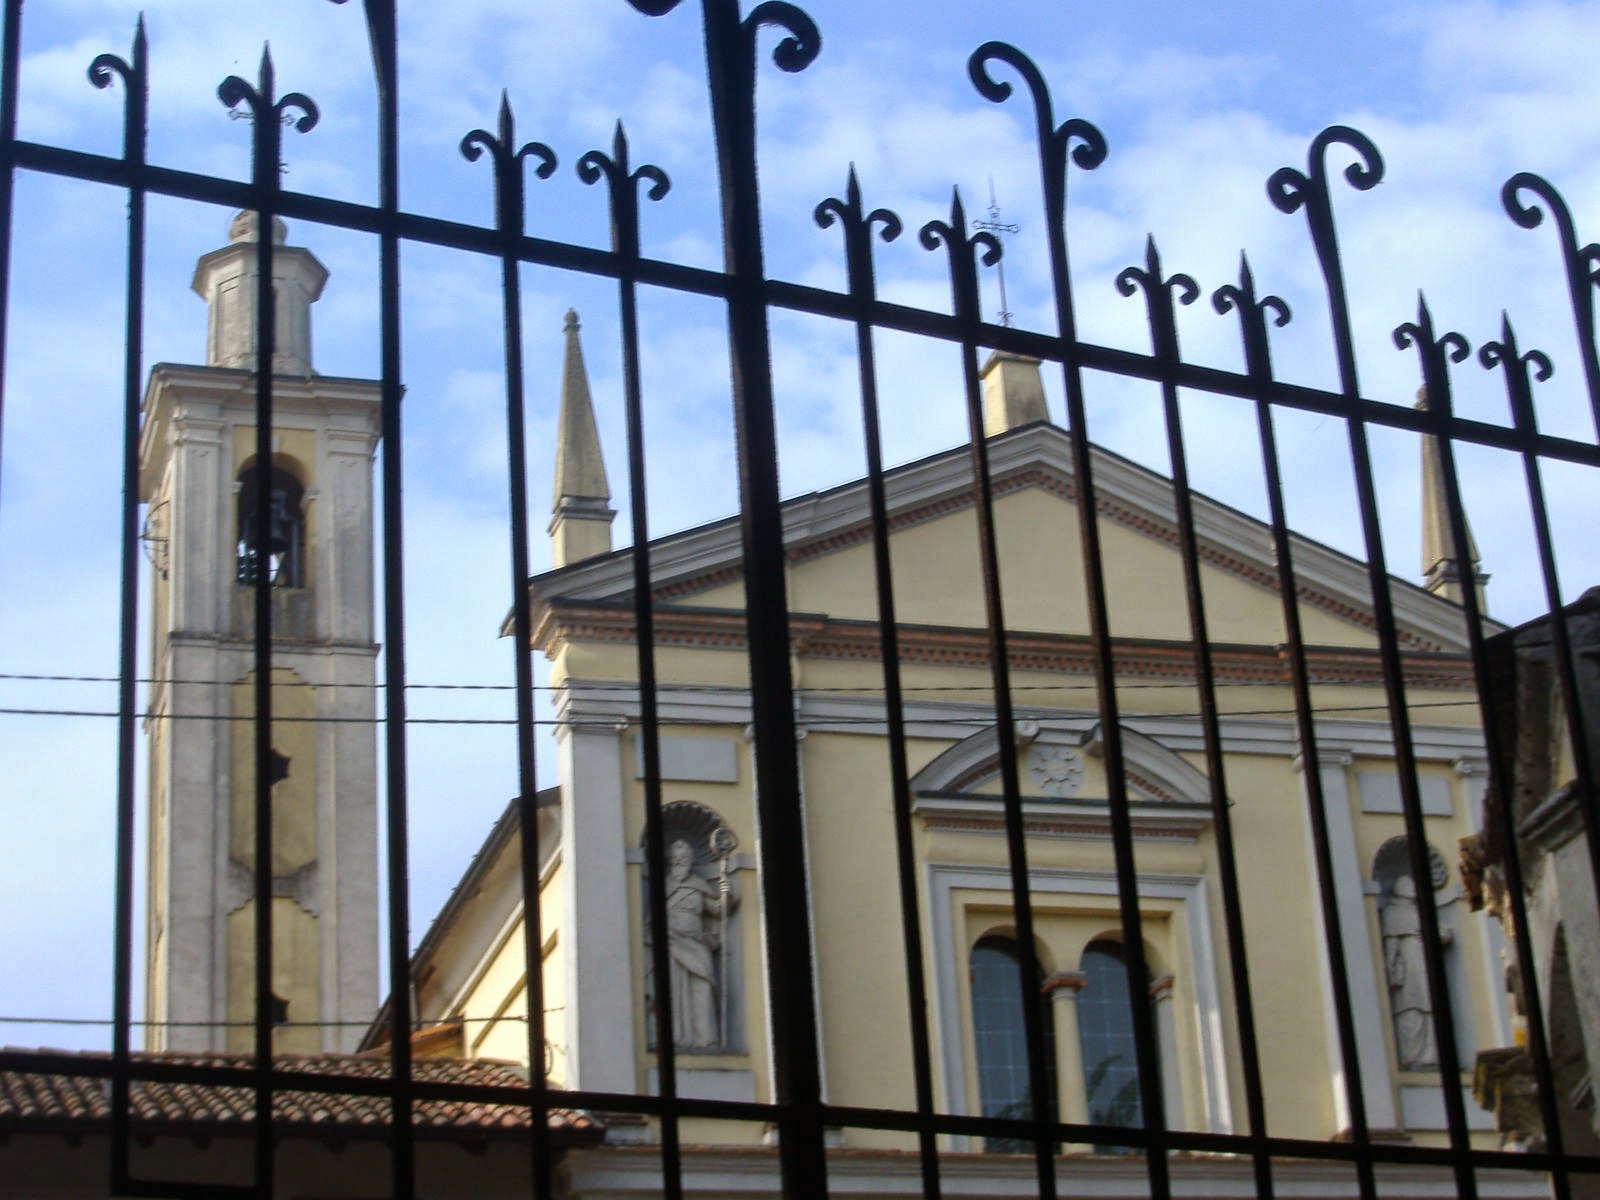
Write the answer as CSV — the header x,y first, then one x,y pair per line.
x,y
76,1088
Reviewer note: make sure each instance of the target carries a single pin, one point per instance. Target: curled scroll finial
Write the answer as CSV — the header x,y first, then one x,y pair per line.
x,y
800,48
1289,189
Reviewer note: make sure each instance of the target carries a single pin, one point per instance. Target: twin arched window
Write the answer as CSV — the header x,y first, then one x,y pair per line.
x,y
285,533
1105,1031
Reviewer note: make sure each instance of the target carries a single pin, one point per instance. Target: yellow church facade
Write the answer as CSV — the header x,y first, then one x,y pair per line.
x,y
598,965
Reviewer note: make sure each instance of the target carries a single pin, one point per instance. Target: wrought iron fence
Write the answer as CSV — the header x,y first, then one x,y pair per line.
x,y
798,1111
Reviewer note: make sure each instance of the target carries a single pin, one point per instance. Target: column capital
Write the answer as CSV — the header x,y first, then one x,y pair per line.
x,y
1063,985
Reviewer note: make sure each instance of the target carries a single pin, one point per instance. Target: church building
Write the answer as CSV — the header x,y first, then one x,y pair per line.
x,y
598,974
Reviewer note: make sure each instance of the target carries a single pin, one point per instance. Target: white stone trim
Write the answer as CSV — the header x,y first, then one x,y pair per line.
x,y
943,879
1367,1007
581,701
626,1172
1422,1108
596,954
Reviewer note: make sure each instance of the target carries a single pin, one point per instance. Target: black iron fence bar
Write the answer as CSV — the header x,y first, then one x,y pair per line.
x,y
284,1080
1090,150
10,55
1258,364
622,194
135,80
266,110
963,251
1496,743
1159,293
506,157
858,225
1578,721
380,18
436,231
1583,275
731,56
1291,191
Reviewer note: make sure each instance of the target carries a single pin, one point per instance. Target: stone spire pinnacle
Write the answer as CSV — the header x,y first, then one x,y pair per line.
x,y
1442,574
580,512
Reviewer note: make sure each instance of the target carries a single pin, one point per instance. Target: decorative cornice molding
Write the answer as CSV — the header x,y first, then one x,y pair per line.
x,y
817,636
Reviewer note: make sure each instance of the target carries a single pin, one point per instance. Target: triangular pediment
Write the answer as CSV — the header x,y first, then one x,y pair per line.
x,y
933,529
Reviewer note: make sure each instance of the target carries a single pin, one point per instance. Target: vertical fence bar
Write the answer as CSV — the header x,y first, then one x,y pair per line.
x,y
506,157
135,79
963,253
1088,150
623,195
731,53
262,851
1581,280
1290,190
1159,292
857,225
10,60
266,111
382,39
1258,365
1437,395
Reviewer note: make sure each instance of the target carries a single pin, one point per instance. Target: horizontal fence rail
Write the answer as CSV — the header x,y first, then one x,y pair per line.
x,y
1340,163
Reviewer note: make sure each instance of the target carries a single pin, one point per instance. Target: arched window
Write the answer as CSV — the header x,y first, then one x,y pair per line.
x,y
285,549
999,1040
1105,1031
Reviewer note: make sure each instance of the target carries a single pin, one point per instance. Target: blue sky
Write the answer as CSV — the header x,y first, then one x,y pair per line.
x,y
1199,104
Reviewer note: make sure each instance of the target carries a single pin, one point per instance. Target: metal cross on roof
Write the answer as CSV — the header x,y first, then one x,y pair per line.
x,y
997,227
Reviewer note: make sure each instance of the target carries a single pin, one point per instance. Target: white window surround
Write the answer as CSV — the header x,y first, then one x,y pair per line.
x,y
1192,920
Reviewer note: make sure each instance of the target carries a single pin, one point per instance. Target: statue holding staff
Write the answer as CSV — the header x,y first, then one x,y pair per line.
x,y
697,917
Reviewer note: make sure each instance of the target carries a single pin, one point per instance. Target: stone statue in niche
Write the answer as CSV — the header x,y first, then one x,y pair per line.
x,y
700,902
1409,1000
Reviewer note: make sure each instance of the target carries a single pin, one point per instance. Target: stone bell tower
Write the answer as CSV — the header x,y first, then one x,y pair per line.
x,y
198,478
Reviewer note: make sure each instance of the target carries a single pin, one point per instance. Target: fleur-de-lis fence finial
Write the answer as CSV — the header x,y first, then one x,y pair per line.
x,y
1521,371
268,115
857,226
1436,352
964,253
1252,319
623,190
1159,291
506,157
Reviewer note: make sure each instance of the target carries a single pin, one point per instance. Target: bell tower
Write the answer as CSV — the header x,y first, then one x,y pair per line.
x,y
200,477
